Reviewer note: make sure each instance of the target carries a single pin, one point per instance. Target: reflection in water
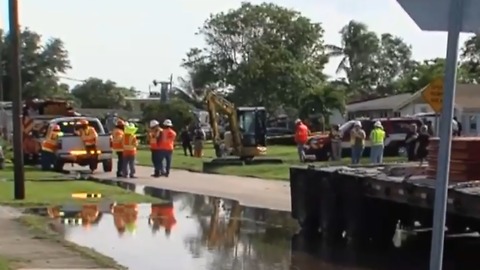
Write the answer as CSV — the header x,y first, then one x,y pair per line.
x,y
200,232
162,215
125,217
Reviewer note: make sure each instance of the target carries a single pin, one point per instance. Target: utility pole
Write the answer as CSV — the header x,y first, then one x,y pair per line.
x,y
16,89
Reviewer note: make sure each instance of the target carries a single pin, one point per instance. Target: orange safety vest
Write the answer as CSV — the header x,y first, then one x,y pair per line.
x,y
301,134
129,145
117,137
153,138
50,142
168,139
89,136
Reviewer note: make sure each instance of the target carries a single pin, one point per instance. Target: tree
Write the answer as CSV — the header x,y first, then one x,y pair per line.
x,y
422,73
41,63
322,100
359,48
393,63
99,94
470,59
373,65
176,110
269,54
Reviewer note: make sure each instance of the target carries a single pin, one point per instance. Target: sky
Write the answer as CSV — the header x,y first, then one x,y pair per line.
x,y
134,42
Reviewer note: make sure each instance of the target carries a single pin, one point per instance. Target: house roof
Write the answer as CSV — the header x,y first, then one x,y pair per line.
x,y
467,96
384,103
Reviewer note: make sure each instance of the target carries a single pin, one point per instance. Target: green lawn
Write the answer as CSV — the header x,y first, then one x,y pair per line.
x,y
267,171
4,264
31,173
52,193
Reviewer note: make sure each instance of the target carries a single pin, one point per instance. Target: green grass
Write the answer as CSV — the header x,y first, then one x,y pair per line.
x,y
31,173
4,263
266,171
52,193
38,228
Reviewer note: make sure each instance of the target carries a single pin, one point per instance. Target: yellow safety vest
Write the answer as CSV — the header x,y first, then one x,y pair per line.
x,y
378,136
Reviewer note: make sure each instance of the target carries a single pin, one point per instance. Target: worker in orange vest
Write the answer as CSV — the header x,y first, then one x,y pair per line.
x,y
154,138
117,139
301,138
166,146
49,147
89,137
129,144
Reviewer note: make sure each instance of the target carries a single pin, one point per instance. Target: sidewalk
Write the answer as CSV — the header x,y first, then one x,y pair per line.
x,y
29,251
252,192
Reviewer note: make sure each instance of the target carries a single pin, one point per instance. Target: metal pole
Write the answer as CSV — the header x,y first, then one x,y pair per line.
x,y
16,89
443,167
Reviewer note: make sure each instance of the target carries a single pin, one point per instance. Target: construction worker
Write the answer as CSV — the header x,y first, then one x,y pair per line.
x,y
301,138
117,139
89,136
166,146
129,144
357,142
49,147
377,139
154,137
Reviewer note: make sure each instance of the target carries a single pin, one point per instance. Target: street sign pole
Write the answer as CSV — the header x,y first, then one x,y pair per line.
x,y
455,22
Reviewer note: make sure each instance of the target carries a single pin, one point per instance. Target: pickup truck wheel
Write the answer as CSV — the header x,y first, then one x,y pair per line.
x,y
107,165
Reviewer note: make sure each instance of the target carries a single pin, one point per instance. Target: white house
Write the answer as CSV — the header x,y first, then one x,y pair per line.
x,y
467,107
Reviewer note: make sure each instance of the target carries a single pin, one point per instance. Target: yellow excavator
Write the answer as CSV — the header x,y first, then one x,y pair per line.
x,y
247,134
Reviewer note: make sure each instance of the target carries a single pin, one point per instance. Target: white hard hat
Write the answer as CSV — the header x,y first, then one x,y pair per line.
x,y
154,123
377,124
167,123
357,124
298,121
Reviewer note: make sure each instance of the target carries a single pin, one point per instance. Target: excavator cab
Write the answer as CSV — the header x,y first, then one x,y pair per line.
x,y
252,123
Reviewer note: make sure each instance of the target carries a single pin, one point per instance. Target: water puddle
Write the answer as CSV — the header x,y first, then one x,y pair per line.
x,y
198,232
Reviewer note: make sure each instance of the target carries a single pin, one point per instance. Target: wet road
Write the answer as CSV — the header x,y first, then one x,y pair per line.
x,y
200,232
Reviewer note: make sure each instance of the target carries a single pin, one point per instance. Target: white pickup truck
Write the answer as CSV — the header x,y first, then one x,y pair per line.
x,y
71,148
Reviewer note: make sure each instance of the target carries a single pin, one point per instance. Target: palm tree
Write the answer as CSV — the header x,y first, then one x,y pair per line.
x,y
358,50
322,100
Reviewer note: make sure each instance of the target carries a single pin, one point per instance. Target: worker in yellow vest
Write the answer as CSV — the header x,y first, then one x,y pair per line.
x,y
377,139
117,141
129,144
89,137
49,147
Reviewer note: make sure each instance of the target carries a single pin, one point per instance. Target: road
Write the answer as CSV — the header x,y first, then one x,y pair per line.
x,y
252,192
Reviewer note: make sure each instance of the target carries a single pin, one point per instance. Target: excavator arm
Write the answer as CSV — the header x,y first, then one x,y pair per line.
x,y
219,104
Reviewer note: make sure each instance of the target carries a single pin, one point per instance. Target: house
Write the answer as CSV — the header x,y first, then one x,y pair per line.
x,y
467,107
376,108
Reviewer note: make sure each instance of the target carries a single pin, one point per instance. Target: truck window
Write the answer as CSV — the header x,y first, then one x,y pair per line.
x,y
68,127
403,126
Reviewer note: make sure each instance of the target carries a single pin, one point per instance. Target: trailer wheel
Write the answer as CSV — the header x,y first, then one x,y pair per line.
x,y
107,165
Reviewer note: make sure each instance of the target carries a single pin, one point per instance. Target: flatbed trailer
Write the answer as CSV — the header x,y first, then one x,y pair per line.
x,y
367,203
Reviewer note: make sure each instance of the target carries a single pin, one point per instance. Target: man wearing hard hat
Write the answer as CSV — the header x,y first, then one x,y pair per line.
x,y
166,146
301,138
154,138
377,140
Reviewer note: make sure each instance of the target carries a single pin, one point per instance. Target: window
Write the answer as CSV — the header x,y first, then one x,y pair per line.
x,y
473,122
397,114
400,126
68,127
247,122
